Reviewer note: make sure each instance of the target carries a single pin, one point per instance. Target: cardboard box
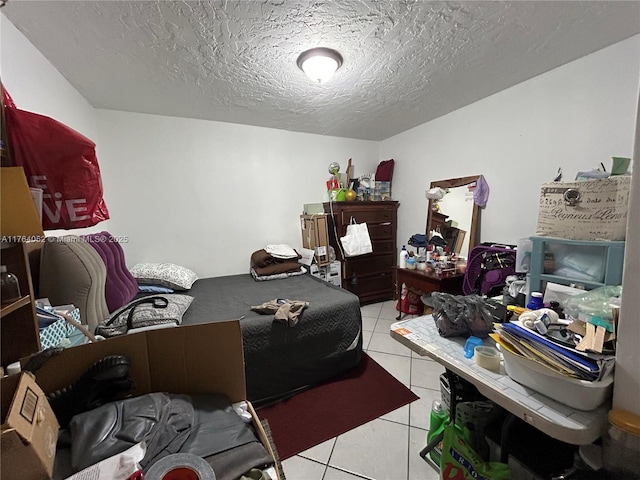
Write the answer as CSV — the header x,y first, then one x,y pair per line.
x,y
333,273
189,359
18,215
598,210
29,429
315,236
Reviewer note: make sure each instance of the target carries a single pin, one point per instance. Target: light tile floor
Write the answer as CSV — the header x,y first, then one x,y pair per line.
x,y
386,448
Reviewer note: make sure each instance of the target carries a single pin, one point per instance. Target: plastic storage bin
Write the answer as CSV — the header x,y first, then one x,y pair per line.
x,y
579,394
588,263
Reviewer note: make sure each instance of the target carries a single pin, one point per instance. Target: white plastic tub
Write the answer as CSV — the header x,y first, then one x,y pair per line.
x,y
579,394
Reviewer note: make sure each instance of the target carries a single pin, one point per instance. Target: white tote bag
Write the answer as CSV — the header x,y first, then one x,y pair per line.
x,y
356,241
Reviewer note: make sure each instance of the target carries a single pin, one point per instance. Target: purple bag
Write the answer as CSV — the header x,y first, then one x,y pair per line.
x,y
487,269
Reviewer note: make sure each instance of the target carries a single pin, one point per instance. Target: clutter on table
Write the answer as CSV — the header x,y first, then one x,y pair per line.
x,y
564,350
375,186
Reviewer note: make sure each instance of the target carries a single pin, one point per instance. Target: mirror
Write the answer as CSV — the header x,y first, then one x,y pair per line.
x,y
455,216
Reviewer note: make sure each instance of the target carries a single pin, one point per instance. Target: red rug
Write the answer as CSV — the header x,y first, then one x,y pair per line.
x,y
335,407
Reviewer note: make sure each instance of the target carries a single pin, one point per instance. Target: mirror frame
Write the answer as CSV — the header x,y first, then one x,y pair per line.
x,y
474,234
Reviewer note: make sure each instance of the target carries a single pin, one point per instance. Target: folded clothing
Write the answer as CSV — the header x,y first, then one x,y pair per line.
x,y
284,267
277,276
261,258
281,251
264,264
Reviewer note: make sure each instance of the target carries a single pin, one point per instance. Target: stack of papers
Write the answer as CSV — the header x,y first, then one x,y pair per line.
x,y
564,360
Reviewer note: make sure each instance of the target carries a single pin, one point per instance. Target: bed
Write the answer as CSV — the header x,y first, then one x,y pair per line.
x,y
279,359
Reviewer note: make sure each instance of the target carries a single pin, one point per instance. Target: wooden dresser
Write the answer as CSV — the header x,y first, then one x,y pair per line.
x,y
368,276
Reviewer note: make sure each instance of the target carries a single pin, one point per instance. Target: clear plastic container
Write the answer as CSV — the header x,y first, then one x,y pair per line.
x,y
10,288
621,443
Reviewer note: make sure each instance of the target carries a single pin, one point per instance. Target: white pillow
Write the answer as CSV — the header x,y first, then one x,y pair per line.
x,y
165,274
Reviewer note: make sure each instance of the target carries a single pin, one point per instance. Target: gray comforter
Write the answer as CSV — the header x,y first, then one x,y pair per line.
x,y
279,360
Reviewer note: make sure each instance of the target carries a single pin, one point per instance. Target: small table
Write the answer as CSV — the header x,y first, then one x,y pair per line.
x,y
427,282
553,418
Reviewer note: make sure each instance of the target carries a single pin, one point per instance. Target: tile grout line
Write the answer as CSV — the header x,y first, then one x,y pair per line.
x,y
409,429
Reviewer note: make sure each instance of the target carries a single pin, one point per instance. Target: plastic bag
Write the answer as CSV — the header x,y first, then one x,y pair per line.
x,y
62,163
357,240
460,462
461,315
598,301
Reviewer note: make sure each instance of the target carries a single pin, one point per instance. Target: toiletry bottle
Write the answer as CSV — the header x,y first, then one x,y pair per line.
x,y
535,302
438,420
10,291
402,261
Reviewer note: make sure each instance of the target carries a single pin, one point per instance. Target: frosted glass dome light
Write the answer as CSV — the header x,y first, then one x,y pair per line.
x,y
319,64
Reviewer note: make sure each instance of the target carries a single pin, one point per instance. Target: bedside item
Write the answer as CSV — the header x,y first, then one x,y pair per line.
x,y
166,274
154,289
146,312
10,287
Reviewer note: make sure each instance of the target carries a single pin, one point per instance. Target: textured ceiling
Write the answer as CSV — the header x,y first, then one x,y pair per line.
x,y
405,62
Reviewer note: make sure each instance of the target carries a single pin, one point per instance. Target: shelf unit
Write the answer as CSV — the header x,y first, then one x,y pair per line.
x,y
19,335
610,253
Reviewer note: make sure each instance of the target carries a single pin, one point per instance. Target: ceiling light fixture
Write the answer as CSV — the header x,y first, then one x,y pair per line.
x,y
319,63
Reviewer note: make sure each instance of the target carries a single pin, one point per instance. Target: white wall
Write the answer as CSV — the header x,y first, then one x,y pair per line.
x,y
207,194
573,117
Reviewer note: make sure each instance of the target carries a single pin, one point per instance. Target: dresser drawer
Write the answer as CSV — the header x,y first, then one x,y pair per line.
x,y
382,230
371,288
383,246
368,215
368,264
376,231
